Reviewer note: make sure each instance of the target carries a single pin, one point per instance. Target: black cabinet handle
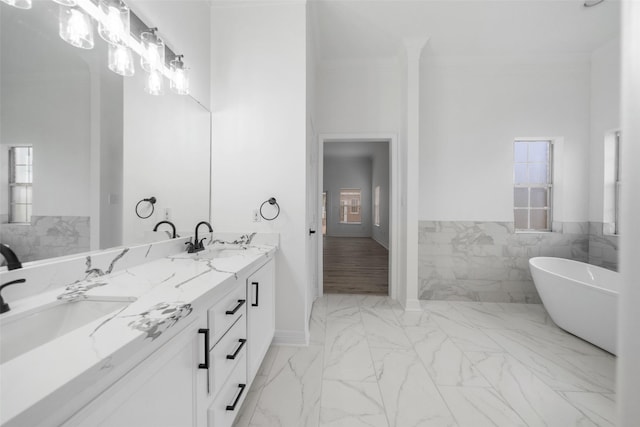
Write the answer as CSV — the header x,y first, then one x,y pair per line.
x,y
237,399
236,308
205,365
257,289
242,342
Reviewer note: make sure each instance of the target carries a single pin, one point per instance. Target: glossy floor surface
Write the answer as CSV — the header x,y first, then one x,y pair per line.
x,y
453,364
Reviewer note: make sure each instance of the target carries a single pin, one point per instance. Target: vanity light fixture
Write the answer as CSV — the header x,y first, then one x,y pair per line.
x,y
179,82
20,4
66,2
152,57
114,26
155,83
75,27
121,60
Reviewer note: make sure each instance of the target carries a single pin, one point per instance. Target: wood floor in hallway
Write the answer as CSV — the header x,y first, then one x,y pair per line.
x,y
355,265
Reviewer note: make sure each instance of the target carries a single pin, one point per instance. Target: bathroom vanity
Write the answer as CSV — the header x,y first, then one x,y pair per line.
x,y
175,341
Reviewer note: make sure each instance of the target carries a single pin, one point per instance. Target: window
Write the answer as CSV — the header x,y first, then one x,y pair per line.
x,y
532,185
350,206
20,183
376,206
324,213
611,196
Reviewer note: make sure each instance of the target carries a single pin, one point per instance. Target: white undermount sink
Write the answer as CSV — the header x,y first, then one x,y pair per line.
x,y
32,328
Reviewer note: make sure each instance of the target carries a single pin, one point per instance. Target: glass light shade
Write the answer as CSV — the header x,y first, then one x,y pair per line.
x,y
121,60
20,4
179,77
155,83
153,47
115,24
66,2
75,27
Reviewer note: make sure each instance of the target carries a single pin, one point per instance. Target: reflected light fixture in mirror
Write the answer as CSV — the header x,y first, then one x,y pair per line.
x,y
152,57
179,82
121,60
75,27
154,84
114,27
20,4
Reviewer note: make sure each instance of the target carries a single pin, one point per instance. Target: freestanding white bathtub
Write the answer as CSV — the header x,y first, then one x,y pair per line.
x,y
580,298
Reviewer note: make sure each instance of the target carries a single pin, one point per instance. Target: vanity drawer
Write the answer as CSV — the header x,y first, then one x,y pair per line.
x,y
227,353
226,405
225,313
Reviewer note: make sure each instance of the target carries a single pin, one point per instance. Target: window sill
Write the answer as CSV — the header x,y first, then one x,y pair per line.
x,y
536,231
351,223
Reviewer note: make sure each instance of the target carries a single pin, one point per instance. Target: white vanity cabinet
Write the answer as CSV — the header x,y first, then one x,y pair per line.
x,y
201,376
260,316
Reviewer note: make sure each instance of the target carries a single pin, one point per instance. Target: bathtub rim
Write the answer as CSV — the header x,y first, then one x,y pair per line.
x,y
599,288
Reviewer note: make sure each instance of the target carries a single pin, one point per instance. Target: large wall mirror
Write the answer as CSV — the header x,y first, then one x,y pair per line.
x,y
80,145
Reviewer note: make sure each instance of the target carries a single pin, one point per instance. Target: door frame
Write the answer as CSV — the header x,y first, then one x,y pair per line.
x,y
394,199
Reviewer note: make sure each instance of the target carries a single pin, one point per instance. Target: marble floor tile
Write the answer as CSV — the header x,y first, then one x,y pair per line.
x,y
383,329
479,407
318,321
351,404
464,333
410,397
600,408
444,361
343,308
291,394
533,400
575,373
346,353
462,364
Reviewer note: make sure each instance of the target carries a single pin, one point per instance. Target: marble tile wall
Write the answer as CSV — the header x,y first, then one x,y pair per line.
x,y
487,261
47,237
603,248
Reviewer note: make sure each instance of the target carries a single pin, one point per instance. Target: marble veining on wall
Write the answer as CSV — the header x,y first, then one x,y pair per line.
x,y
488,261
603,248
47,236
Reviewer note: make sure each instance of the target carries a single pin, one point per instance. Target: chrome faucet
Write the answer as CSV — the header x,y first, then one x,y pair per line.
x,y
196,245
4,307
173,236
12,259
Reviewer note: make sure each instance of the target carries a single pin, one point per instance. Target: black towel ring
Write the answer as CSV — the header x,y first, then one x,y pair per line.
x,y
151,201
271,201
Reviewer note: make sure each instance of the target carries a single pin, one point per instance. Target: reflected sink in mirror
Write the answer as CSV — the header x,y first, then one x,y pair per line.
x,y
25,331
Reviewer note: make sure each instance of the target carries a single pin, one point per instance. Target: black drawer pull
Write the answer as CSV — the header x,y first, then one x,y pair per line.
x,y
242,342
205,365
237,307
235,402
257,289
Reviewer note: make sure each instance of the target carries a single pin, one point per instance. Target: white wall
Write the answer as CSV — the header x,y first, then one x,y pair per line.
x,y
380,177
358,97
348,172
628,369
471,111
259,133
605,118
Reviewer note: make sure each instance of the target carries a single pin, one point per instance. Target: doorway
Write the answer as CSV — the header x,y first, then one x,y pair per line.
x,y
357,210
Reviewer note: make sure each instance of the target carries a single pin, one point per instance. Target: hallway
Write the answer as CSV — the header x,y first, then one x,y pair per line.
x,y
355,265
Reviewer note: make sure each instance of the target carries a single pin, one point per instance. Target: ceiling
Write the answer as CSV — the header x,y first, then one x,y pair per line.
x,y
366,29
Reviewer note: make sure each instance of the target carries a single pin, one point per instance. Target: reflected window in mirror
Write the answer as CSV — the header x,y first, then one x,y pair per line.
x,y
20,184
612,182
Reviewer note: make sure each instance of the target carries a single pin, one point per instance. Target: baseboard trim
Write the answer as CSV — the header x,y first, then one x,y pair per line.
x,y
292,338
380,243
412,305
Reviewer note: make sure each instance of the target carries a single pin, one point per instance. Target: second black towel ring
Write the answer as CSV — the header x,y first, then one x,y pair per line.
x,y
272,202
151,201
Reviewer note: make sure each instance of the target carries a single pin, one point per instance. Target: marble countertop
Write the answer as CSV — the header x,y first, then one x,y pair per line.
x,y
159,299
